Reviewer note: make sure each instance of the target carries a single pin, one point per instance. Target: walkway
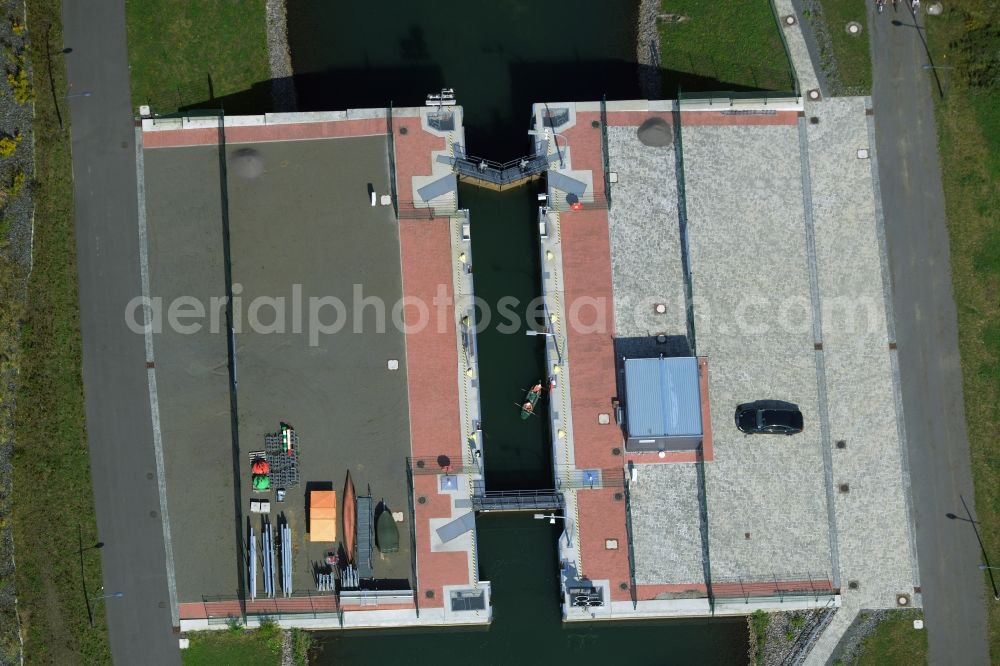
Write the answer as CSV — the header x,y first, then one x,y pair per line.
x,y
927,335
119,423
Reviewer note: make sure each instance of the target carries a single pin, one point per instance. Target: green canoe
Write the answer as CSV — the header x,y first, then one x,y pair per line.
x,y
530,401
387,532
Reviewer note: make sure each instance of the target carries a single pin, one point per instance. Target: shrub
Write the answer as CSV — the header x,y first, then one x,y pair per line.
x,y
8,144
17,27
759,622
797,621
271,634
20,84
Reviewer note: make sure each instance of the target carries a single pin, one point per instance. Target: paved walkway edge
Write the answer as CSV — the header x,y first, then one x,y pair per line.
x,y
154,408
890,323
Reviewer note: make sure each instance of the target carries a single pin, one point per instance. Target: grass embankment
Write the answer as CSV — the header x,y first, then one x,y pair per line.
x,y
967,38
256,647
185,54
845,59
52,489
736,44
894,642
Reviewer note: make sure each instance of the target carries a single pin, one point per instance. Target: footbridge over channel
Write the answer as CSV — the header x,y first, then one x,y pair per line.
x,y
497,175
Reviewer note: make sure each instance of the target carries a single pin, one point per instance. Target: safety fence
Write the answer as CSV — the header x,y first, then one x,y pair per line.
x,y
683,221
571,478
441,464
222,609
781,586
605,154
724,98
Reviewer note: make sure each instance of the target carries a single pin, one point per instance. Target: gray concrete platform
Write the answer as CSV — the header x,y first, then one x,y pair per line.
x,y
301,226
184,217
307,220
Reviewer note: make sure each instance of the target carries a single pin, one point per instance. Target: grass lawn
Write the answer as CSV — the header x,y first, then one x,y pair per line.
x,y
845,59
52,490
894,643
731,45
184,53
968,121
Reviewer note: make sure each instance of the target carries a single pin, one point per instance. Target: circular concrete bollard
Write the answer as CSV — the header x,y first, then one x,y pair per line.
x,y
853,28
935,9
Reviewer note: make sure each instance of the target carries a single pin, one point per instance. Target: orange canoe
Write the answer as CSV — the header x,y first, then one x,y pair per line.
x,y
350,518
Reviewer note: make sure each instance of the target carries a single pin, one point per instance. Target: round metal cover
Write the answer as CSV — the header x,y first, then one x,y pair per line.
x,y
655,132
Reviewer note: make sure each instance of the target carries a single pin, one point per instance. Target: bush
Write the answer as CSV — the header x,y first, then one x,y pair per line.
x,y
8,144
797,621
271,634
759,622
20,84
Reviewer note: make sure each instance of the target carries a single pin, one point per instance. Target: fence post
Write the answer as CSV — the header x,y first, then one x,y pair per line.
x,y
604,150
391,140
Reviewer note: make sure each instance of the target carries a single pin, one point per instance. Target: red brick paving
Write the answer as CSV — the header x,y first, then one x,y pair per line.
x,y
432,362
261,133
692,118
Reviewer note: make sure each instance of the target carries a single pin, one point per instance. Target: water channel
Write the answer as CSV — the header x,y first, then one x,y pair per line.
x,y
500,56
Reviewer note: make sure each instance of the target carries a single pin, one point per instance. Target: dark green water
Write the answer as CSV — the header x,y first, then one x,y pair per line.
x,y
517,554
500,56
505,262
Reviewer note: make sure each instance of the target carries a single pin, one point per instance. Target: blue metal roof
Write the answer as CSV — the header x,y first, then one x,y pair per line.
x,y
663,397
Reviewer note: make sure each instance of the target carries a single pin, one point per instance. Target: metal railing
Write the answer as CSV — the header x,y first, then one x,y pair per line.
x,y
682,219
631,549
785,585
440,465
732,99
500,174
225,608
518,500
413,535
568,478
391,141
605,154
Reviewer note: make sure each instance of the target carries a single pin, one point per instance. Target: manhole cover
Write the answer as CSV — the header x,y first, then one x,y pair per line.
x,y
853,28
789,20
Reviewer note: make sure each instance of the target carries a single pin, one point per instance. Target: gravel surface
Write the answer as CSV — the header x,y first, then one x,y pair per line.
x,y
647,49
283,96
17,215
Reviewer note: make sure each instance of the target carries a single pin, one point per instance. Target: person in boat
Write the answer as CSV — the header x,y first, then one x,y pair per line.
x,y
537,388
528,407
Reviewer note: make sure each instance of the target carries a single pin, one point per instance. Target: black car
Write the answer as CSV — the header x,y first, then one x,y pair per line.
x,y
774,417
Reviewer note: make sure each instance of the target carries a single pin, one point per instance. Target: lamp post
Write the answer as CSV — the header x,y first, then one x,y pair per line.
x,y
545,133
548,334
552,518
984,567
928,67
101,597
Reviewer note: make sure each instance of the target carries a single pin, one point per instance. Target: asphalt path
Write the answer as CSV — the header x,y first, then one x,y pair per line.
x,y
927,336
114,361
